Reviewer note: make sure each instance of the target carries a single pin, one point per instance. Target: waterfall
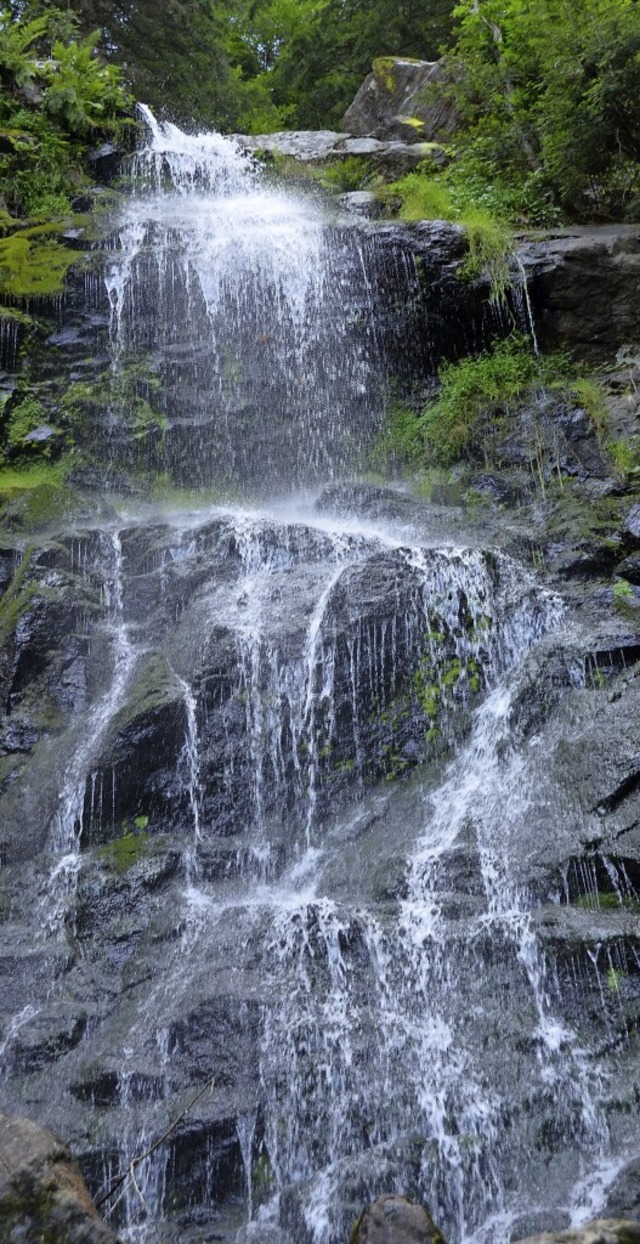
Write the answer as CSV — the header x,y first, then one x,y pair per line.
x,y
316,969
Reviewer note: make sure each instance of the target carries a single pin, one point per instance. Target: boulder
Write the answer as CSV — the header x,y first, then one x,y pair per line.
x,y
393,1219
392,103
584,285
43,1197
603,1231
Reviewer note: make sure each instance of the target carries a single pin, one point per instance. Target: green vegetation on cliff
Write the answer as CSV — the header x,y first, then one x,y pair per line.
x,y
477,395
57,100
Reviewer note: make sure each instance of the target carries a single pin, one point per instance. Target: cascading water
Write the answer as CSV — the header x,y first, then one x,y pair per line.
x,y
347,962
250,312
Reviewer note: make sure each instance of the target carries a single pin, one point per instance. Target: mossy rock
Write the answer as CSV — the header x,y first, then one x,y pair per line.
x,y
39,498
123,853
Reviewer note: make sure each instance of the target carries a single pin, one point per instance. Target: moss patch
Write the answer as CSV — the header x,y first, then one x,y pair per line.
x,y
32,268
36,506
122,853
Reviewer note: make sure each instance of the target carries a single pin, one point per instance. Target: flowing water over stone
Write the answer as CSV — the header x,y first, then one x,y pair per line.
x,y
259,315
294,849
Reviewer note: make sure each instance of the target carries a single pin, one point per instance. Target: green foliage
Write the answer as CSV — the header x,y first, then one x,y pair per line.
x,y
82,94
625,456
490,246
615,979
547,93
345,175
607,900
123,853
589,393
17,39
623,594
421,197
400,439
16,480
26,416
476,389
442,431
57,98
425,196
16,598
31,268
128,393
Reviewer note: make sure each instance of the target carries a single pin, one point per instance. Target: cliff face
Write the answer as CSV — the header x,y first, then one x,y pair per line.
x,y
328,806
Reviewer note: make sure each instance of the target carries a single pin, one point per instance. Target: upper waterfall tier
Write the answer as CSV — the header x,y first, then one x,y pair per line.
x,y
186,163
246,317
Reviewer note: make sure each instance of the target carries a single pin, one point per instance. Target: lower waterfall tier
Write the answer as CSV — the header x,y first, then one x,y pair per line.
x,y
329,819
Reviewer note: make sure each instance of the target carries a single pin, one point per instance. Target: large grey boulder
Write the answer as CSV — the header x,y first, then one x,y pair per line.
x,y
391,157
393,102
393,1219
43,1197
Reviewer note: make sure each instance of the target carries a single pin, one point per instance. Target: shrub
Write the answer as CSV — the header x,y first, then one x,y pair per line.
x,y
421,195
495,381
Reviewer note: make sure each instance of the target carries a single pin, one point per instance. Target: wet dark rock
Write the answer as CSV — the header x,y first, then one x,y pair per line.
x,y
47,1038
138,763
204,1167
106,162
392,1219
631,525
583,285
391,103
362,203
495,488
218,1039
367,501
629,569
42,1194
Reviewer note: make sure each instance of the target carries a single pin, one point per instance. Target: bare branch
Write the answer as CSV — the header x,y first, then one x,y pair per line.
x,y
129,1174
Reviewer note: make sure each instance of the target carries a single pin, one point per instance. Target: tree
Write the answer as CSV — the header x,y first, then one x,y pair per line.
x,y
252,64
549,94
